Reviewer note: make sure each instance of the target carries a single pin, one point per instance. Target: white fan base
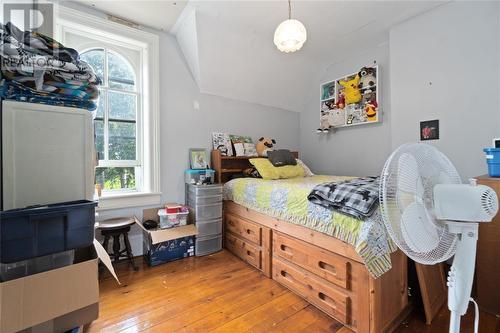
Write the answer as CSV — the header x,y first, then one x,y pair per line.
x,y
461,274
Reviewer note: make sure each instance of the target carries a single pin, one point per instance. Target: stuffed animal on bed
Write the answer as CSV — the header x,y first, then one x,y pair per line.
x,y
351,90
264,145
367,77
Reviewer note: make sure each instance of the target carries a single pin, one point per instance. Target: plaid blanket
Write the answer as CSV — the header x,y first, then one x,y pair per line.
x,y
357,197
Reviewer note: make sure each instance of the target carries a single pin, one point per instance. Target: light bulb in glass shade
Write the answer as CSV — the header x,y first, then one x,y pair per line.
x,y
290,36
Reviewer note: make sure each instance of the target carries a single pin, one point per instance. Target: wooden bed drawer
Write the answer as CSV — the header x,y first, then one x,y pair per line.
x,y
334,302
244,228
244,250
327,265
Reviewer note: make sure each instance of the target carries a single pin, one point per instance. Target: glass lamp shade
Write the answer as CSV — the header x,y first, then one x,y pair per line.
x,y
290,35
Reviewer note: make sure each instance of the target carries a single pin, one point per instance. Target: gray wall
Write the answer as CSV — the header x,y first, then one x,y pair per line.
x,y
183,127
358,150
456,47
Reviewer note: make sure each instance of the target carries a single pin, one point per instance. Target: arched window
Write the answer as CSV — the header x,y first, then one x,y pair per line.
x,y
116,123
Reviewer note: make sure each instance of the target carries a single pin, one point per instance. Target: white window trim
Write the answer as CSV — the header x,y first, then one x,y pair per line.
x,y
68,19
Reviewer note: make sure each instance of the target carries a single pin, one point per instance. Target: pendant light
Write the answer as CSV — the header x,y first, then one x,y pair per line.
x,y
290,35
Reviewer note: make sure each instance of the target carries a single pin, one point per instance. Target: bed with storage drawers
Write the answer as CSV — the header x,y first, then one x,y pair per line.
x,y
320,266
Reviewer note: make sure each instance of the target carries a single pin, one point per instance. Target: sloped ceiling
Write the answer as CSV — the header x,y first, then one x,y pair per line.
x,y
229,44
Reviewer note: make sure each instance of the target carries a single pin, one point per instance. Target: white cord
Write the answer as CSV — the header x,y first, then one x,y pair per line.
x,y
476,316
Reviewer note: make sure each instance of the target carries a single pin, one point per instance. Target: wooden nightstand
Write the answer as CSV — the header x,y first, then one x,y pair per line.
x,y
488,257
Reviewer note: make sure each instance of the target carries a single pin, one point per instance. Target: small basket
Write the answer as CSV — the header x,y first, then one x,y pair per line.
x,y
170,220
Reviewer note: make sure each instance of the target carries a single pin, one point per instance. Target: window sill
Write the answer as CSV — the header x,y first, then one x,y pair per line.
x,y
127,200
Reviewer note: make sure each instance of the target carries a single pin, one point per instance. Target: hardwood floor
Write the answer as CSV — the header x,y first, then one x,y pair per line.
x,y
220,293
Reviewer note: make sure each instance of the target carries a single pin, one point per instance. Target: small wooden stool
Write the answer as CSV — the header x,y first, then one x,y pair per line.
x,y
115,228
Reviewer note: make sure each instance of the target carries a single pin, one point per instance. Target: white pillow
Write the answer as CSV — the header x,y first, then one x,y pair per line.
x,y
307,171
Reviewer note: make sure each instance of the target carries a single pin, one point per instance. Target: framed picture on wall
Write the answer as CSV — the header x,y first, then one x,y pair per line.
x,y
429,130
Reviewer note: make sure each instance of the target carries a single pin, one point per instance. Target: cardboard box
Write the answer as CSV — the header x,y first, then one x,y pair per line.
x,y
37,298
164,245
32,302
68,321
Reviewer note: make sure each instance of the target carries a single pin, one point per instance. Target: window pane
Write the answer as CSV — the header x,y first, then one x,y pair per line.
x,y
99,138
120,74
121,106
121,141
116,178
95,58
101,105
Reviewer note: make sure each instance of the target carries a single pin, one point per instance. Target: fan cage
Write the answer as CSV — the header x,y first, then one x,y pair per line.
x,y
431,168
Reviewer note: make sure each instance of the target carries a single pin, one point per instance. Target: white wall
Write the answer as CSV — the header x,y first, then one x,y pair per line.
x,y
183,127
358,150
454,47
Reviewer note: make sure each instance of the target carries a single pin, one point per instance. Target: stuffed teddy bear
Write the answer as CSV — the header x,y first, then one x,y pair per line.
x,y
324,124
264,145
367,77
351,90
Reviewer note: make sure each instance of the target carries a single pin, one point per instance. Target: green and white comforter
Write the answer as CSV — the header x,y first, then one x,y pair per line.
x,y
286,199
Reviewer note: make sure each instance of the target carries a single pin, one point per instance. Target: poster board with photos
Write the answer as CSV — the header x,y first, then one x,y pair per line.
x,y
338,110
222,141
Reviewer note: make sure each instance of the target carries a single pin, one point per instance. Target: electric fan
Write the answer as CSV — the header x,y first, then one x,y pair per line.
x,y
431,216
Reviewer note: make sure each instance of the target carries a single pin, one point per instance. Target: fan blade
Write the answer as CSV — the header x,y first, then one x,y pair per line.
x,y
408,174
409,184
419,232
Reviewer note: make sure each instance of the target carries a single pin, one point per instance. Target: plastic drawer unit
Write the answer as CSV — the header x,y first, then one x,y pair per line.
x,y
205,206
208,245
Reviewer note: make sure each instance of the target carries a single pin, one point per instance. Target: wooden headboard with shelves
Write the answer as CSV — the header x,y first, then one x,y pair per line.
x,y
226,166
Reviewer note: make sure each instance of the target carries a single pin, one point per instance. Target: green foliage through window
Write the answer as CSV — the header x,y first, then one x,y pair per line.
x,y
115,125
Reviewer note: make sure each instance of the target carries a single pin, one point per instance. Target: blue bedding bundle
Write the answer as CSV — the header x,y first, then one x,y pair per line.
x,y
37,69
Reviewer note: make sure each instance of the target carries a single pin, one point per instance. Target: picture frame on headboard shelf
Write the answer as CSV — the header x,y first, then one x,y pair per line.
x,y
198,158
351,100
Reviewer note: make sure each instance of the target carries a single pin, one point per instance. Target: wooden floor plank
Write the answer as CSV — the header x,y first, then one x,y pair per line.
x,y
170,303
220,293
196,306
236,307
308,319
266,316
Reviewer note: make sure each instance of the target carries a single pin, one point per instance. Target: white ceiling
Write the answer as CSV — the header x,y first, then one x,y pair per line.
x,y
158,14
231,53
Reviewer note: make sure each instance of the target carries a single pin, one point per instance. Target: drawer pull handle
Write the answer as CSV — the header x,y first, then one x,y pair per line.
x,y
327,267
325,298
249,231
250,254
287,276
286,249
